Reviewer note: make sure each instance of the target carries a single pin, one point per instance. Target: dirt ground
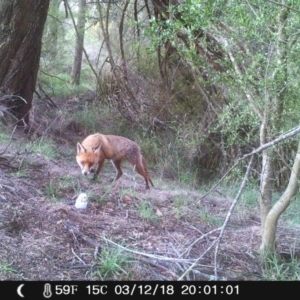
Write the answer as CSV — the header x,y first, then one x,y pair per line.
x,y
43,237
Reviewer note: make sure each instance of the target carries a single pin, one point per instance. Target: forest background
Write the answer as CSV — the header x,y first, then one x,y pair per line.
x,y
209,91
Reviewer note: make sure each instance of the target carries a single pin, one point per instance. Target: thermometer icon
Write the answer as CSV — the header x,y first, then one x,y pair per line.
x,y
47,291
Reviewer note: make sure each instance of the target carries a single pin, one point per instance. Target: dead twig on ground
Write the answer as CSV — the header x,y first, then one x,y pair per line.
x,y
157,257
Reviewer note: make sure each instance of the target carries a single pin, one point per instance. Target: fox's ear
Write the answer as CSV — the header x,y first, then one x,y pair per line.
x,y
80,148
97,150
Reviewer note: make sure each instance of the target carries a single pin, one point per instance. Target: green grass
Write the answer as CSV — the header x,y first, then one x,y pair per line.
x,y
128,191
22,173
291,214
4,138
52,191
59,85
7,269
210,219
180,207
147,213
111,264
249,197
44,146
277,269
250,200
56,189
88,118
173,163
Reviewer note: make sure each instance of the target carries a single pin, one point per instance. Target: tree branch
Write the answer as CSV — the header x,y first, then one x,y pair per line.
x,y
283,5
284,136
233,204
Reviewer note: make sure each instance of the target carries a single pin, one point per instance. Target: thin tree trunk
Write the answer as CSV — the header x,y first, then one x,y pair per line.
x,y
52,29
105,32
266,183
121,28
269,214
76,70
271,220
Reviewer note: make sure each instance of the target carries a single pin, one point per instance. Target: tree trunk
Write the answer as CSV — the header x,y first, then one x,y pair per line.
x,y
270,224
51,30
273,123
76,70
22,24
266,182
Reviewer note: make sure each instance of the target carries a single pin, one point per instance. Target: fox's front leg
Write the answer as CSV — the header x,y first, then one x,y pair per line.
x,y
100,165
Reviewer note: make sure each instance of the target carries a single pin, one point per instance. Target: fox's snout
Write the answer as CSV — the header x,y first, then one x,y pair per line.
x,y
87,172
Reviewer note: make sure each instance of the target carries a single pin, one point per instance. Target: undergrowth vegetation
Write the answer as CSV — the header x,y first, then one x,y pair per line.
x,y
166,160
113,264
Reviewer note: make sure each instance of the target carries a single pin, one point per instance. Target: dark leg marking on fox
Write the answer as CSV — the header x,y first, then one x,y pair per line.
x,y
100,165
117,164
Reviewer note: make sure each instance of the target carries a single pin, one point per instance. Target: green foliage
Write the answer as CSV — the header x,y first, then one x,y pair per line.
x,y
291,215
209,218
112,264
146,60
249,197
59,85
87,118
22,172
176,159
180,207
4,137
277,269
58,55
52,191
239,129
147,213
149,148
7,269
44,146
249,33
59,187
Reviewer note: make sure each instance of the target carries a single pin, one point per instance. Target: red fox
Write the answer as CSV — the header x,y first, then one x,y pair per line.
x,y
95,148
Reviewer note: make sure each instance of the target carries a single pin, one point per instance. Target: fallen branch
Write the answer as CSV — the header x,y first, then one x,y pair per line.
x,y
233,204
158,257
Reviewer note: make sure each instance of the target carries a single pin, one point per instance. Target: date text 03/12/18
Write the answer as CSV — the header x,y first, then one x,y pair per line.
x,y
164,289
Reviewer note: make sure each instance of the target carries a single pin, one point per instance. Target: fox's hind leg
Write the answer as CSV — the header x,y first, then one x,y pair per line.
x,y
146,171
140,168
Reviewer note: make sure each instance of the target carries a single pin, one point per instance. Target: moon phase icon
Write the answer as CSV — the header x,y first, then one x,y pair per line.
x,y
19,290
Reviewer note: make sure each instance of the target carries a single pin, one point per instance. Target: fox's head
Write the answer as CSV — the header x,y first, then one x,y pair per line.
x,y
87,159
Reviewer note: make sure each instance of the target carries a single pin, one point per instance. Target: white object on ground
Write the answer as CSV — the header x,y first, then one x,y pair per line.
x,y
81,201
